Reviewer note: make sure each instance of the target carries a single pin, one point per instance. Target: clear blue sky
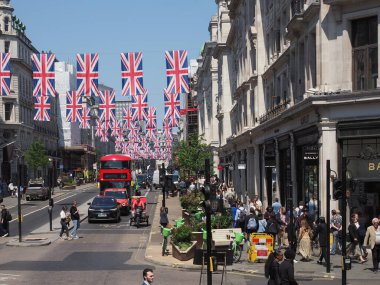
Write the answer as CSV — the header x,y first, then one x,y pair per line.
x,y
109,27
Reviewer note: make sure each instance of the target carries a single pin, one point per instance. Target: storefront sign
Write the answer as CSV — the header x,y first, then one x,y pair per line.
x,y
241,166
361,168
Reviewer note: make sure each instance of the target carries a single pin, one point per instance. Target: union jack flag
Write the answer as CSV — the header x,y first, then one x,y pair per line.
x,y
131,73
124,148
133,131
73,107
103,135
115,128
5,74
150,132
107,107
167,129
87,74
85,119
177,71
42,108
172,108
118,145
127,118
140,106
43,74
152,118
99,128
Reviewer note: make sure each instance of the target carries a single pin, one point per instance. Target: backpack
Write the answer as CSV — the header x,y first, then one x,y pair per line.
x,y
242,216
8,217
272,228
252,224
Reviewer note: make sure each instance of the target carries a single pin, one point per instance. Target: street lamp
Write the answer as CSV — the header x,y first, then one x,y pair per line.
x,y
50,185
19,154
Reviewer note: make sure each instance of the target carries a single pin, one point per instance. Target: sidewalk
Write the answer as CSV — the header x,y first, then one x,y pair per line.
x,y
303,270
43,236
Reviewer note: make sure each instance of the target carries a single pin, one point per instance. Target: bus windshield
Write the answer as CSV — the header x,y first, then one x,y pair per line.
x,y
113,184
115,164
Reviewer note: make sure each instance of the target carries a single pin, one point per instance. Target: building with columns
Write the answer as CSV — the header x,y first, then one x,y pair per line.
x,y
297,85
17,127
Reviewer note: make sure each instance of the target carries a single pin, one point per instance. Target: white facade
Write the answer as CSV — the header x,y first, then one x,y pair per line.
x,y
65,78
298,85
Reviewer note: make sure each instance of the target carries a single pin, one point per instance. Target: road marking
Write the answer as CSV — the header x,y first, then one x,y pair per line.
x,y
45,207
12,275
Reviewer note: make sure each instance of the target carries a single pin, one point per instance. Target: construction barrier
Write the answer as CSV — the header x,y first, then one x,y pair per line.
x,y
261,245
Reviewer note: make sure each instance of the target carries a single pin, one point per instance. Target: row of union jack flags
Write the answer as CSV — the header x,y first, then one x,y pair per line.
x,y
87,81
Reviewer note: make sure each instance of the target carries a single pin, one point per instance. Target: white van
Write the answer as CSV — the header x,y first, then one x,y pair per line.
x,y
156,179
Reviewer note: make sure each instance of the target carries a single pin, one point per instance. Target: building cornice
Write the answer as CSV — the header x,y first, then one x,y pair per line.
x,y
220,48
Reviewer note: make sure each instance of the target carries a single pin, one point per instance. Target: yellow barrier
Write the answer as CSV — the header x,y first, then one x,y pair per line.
x,y
261,245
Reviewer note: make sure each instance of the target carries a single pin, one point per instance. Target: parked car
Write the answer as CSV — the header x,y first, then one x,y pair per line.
x,y
36,190
104,208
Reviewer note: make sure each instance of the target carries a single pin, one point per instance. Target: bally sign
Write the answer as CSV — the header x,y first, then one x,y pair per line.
x,y
365,168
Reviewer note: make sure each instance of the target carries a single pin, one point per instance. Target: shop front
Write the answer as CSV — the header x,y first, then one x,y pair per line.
x,y
360,143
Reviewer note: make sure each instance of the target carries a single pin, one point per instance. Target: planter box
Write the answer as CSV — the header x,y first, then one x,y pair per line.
x,y
184,255
198,237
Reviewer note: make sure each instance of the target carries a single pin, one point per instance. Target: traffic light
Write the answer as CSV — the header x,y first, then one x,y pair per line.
x,y
338,189
206,190
51,202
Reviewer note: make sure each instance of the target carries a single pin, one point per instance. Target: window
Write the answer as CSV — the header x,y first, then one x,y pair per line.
x,y
6,46
365,53
8,111
6,24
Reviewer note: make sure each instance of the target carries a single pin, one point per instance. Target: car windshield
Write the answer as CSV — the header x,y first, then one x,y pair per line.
x,y
35,185
100,201
116,194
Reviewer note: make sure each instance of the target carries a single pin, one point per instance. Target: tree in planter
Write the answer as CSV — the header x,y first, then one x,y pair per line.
x,y
192,154
182,237
36,156
191,201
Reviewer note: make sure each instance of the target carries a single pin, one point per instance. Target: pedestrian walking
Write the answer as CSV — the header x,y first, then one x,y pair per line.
x,y
353,231
148,276
5,219
372,238
304,240
75,217
11,189
65,220
336,230
251,223
320,231
164,221
276,206
287,269
272,267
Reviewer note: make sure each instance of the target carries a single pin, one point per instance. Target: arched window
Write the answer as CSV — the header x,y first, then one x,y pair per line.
x,y
6,24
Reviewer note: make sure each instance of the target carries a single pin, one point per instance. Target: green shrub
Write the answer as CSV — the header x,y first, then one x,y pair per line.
x,y
182,236
222,220
191,202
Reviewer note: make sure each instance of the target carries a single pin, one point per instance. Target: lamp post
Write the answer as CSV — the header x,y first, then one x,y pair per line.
x,y
19,195
50,185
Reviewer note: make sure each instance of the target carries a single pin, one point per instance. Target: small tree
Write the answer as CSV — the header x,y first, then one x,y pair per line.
x,y
36,156
192,154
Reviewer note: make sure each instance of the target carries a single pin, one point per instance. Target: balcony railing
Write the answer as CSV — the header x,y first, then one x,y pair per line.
x,y
274,112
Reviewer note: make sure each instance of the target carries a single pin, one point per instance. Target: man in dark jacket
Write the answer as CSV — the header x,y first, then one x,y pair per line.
x,y
321,232
287,269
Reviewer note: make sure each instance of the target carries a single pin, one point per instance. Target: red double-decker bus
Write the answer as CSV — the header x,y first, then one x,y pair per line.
x,y
115,178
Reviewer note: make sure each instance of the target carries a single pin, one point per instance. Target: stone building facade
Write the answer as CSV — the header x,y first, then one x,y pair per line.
x,y
17,127
297,85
